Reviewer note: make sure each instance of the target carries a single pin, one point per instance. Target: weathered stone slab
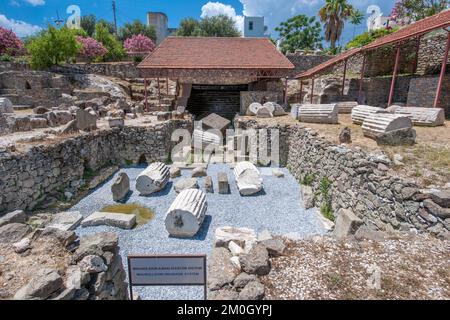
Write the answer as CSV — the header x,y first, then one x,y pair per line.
x,y
222,272
222,179
256,261
428,117
153,179
66,220
13,232
42,285
121,187
183,184
199,172
436,209
224,235
253,291
186,214
6,106
347,223
116,122
118,220
361,112
248,178
17,216
442,198
346,107
379,124
175,172
214,121
318,113
209,187
397,137
275,247
85,120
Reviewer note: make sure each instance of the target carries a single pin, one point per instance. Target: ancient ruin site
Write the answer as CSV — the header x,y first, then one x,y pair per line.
x,y
225,167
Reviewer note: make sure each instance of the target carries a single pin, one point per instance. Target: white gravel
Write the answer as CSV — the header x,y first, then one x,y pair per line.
x,y
277,209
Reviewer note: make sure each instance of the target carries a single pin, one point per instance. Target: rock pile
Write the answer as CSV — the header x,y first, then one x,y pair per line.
x,y
238,258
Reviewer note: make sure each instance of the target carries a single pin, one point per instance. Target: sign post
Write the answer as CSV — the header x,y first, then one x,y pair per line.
x,y
167,270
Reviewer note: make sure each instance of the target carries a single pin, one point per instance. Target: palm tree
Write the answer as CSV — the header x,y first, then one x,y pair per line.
x,y
334,14
356,19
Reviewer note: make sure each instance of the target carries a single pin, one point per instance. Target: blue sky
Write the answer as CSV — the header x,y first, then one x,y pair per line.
x,y
28,16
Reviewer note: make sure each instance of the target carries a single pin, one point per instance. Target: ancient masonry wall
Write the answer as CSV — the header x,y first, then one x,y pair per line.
x,y
383,201
122,70
28,178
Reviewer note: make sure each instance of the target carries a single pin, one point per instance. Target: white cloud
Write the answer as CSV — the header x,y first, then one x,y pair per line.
x,y
21,28
212,9
35,3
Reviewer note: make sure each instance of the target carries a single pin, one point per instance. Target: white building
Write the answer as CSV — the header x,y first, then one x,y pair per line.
x,y
254,27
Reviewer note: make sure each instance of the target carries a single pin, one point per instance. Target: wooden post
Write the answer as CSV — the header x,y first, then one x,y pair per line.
x,y
441,76
145,95
312,89
345,74
361,80
301,91
394,76
167,85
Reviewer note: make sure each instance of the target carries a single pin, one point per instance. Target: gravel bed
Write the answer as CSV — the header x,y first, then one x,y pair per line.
x,y
277,209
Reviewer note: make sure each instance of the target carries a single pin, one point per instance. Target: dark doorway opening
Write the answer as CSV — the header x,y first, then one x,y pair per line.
x,y
223,100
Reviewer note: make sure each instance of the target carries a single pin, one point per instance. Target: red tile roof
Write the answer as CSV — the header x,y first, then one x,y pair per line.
x,y
438,21
216,53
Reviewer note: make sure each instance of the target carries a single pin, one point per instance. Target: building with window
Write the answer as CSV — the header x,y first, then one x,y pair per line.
x,y
254,27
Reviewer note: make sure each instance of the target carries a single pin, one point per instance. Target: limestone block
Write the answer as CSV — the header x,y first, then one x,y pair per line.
x,y
209,186
6,106
86,121
183,184
361,112
294,111
428,117
118,220
318,113
116,122
264,112
66,221
378,124
186,214
241,236
153,179
224,187
121,187
347,223
248,178
346,107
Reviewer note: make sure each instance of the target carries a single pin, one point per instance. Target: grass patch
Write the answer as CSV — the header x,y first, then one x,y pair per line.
x,y
128,162
89,174
308,179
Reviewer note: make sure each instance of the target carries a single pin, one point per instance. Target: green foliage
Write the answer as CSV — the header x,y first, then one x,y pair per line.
x,y
89,174
128,162
334,14
109,25
53,47
308,179
324,189
136,28
217,26
368,37
300,32
115,49
6,58
356,17
88,24
137,59
415,10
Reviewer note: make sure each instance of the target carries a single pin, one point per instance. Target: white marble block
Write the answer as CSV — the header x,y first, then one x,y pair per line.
x,y
380,124
153,179
318,113
361,112
248,178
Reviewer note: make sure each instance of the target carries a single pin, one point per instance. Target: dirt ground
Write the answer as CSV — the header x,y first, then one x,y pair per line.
x,y
427,163
17,269
324,268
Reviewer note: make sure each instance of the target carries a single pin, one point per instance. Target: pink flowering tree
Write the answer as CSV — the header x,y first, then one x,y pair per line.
x,y
91,48
10,44
139,44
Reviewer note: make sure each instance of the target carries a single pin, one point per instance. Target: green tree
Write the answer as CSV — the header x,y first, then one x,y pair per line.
x,y
189,27
88,24
135,28
415,10
334,14
109,25
356,18
53,47
300,32
367,37
217,26
115,49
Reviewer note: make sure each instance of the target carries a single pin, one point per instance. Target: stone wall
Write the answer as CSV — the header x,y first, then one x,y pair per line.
x,y
50,170
304,61
248,97
14,66
431,53
422,92
119,70
360,181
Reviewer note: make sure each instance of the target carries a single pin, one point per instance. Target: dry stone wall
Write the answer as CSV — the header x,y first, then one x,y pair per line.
x,y
49,170
119,70
359,181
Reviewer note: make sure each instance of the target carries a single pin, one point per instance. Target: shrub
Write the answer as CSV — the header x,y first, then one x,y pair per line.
x,y
53,47
139,43
10,44
324,189
91,48
6,58
115,49
368,37
308,179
